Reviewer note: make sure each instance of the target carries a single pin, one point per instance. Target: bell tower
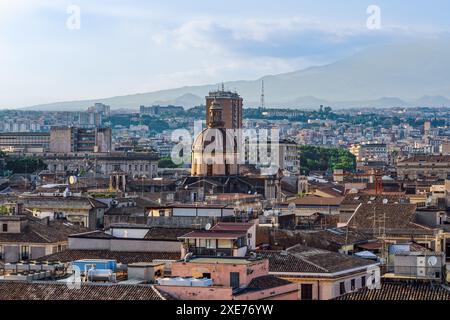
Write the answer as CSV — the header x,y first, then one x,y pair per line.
x,y
215,119
231,104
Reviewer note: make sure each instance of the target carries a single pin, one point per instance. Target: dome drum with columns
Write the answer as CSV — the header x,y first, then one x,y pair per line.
x,y
214,151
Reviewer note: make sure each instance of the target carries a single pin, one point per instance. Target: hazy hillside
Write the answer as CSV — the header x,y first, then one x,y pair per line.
x,y
409,74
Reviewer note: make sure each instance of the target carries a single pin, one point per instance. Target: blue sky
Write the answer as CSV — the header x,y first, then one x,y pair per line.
x,y
125,47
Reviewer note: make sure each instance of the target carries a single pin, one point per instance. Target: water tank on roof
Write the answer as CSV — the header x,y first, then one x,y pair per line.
x,y
201,282
185,282
182,282
100,275
87,264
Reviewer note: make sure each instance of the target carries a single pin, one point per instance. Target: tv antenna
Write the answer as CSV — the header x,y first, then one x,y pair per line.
x,y
262,94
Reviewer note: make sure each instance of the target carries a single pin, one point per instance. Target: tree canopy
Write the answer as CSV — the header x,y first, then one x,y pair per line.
x,y
25,164
325,159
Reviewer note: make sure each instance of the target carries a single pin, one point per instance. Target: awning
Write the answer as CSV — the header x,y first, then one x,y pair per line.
x,y
366,255
371,246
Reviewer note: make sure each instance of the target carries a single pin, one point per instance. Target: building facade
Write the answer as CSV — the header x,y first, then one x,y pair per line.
x,y
133,164
430,167
24,141
71,139
232,107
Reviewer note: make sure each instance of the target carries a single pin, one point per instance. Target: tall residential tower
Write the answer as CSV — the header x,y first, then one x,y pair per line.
x,y
232,107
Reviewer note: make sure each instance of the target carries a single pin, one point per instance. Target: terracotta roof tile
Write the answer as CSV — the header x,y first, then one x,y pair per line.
x,y
301,259
401,290
10,290
38,231
121,257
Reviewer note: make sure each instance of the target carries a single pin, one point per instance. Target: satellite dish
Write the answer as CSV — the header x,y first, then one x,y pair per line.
x,y
66,193
291,206
73,179
432,261
208,226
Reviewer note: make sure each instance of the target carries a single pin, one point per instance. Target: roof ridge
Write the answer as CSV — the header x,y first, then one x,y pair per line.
x,y
310,262
40,235
157,292
301,257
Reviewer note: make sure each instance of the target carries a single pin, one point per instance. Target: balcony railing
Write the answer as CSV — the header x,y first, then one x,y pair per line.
x,y
211,252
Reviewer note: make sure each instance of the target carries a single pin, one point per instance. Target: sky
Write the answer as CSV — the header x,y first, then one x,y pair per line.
x,y
121,47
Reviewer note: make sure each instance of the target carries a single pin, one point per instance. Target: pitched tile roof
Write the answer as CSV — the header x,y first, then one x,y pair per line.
x,y
267,282
38,231
213,234
232,226
315,201
301,259
329,239
401,290
366,198
280,262
427,158
121,257
263,283
392,217
170,234
60,202
13,290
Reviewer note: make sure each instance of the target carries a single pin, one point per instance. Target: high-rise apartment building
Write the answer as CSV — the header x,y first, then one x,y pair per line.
x,y
71,139
232,107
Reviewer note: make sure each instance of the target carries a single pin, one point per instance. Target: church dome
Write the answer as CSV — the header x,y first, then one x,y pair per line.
x,y
207,137
214,153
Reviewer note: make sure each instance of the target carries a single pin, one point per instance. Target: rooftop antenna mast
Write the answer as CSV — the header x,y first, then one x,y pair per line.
x,y
262,94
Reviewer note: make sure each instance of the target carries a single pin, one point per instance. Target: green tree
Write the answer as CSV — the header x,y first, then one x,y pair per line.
x,y
25,164
4,210
325,159
167,163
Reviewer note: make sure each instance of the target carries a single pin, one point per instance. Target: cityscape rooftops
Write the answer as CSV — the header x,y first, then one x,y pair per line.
x,y
222,230
120,256
401,290
388,217
314,201
40,231
374,199
306,261
204,234
426,158
14,290
217,260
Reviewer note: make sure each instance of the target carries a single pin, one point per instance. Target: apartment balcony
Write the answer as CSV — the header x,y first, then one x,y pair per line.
x,y
211,252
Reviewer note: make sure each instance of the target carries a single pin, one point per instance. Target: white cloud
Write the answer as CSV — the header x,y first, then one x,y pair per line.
x,y
225,69
239,36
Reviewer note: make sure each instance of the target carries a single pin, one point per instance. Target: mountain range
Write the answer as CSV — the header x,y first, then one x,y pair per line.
x,y
395,75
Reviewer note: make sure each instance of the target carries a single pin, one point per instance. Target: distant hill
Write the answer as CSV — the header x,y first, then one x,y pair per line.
x,y
413,74
434,101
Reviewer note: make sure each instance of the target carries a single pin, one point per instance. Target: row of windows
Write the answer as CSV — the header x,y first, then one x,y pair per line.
x,y
25,251
306,292
342,289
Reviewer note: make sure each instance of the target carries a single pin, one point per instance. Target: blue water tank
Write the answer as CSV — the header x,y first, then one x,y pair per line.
x,y
100,264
